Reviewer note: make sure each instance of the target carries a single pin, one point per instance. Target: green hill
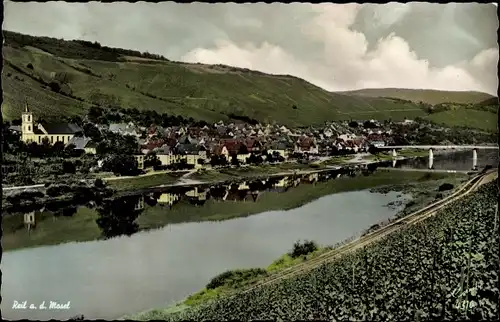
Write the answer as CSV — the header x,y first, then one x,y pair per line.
x,y
60,77
423,95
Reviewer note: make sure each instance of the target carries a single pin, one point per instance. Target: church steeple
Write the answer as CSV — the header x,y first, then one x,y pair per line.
x,y
27,120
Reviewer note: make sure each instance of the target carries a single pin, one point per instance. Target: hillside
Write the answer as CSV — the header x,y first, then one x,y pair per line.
x,y
423,95
60,77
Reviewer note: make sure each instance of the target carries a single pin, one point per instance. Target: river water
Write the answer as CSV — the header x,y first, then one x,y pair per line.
x,y
153,269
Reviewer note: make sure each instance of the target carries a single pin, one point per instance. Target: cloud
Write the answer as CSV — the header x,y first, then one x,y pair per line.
x,y
335,46
348,64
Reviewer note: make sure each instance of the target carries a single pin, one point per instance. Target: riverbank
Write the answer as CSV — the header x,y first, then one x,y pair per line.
x,y
364,269
423,188
159,178
145,181
81,227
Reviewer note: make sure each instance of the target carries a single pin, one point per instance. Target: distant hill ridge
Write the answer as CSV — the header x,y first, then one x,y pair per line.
x,y
64,78
430,96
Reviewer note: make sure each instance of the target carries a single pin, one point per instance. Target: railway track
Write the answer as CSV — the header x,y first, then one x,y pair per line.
x,y
369,238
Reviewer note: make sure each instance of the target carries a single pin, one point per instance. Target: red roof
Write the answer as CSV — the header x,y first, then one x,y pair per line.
x,y
232,146
305,142
252,143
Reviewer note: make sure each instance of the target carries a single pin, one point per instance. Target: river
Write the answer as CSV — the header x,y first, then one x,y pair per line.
x,y
107,279
459,161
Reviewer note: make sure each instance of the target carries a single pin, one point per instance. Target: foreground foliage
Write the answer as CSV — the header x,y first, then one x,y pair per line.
x,y
444,268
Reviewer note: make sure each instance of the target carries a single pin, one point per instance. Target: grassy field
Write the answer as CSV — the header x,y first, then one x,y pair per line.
x,y
94,76
338,160
250,171
144,181
82,226
467,117
423,188
154,180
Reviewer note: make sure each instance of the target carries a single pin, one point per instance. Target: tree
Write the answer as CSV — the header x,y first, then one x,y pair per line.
x,y
68,167
91,131
373,149
255,159
369,125
218,160
94,113
99,183
121,165
353,124
58,148
234,160
201,161
54,86
151,160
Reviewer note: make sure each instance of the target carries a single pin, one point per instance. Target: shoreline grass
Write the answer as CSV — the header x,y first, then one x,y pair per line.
x,y
145,181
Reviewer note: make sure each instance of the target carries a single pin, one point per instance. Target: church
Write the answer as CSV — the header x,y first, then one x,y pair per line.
x,y
54,132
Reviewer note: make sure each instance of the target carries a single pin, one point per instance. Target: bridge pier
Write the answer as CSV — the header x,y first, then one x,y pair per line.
x,y
394,163
474,159
394,153
431,158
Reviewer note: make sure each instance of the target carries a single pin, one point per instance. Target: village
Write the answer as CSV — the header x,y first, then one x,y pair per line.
x,y
133,149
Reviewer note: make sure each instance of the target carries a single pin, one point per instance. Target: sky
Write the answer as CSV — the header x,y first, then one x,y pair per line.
x,y
335,46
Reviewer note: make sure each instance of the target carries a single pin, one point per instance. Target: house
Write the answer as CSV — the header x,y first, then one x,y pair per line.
x,y
306,144
376,140
280,148
187,140
123,129
192,153
253,145
15,128
53,132
167,156
83,143
140,161
347,137
328,133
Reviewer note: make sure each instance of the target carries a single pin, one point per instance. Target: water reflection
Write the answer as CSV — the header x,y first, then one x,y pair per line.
x,y
118,214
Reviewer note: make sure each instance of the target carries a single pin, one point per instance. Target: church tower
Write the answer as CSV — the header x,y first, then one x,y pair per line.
x,y
27,129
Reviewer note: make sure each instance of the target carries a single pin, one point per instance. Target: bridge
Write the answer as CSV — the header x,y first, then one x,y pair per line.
x,y
441,147
431,148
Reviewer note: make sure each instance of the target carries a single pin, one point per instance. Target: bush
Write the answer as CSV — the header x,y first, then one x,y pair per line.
x,y
305,248
55,87
68,167
55,191
445,187
29,66
99,183
236,277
